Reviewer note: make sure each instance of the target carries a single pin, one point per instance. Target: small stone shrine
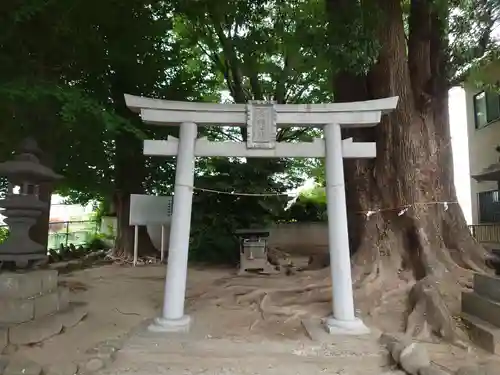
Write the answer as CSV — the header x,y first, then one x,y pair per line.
x,y
254,252
29,298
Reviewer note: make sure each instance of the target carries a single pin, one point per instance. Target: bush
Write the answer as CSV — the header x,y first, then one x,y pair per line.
x,y
310,206
4,233
215,219
97,241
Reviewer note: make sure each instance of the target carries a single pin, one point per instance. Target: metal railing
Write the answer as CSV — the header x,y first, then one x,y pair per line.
x,y
70,233
486,233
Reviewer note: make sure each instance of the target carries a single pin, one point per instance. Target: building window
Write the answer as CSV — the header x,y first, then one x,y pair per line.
x,y
489,207
486,108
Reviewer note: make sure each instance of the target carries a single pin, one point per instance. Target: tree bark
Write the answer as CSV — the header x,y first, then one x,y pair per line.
x,y
40,231
412,240
130,172
124,243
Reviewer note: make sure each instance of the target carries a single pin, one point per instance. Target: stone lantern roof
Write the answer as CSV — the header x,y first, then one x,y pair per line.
x,y
26,167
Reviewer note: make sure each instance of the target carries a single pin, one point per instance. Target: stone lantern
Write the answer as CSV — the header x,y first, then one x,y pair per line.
x,y
22,207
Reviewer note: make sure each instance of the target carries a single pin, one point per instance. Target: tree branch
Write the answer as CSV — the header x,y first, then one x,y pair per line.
x,y
419,48
280,92
232,60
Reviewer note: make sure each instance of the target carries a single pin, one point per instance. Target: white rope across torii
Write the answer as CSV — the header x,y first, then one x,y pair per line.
x,y
262,120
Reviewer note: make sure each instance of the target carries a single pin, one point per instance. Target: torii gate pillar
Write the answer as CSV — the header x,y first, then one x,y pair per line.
x,y
343,319
173,317
262,120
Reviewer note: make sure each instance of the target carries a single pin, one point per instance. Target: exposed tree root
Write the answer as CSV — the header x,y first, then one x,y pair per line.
x,y
415,268
430,313
124,259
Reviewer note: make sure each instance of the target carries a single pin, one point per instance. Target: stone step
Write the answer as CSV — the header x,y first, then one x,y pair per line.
x,y
487,286
38,330
184,353
364,346
481,307
18,285
15,311
176,365
483,334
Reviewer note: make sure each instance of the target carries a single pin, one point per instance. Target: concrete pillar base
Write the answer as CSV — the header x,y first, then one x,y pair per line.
x,y
346,327
181,325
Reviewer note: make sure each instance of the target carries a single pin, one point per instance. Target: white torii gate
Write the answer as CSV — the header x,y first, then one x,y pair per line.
x,y
262,120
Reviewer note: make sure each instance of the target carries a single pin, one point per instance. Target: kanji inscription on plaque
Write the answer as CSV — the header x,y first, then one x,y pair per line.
x,y
261,125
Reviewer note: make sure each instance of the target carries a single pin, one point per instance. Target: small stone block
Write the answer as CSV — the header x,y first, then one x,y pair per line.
x,y
388,339
15,311
49,280
483,334
468,370
94,364
28,284
338,327
397,347
431,370
4,361
63,299
72,317
46,304
481,307
413,358
181,325
22,368
4,340
478,370
103,351
35,331
61,369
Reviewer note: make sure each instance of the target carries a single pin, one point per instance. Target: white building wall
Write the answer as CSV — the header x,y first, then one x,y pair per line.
x,y
482,153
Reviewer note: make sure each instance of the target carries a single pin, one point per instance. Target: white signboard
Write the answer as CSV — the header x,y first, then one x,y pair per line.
x,y
150,209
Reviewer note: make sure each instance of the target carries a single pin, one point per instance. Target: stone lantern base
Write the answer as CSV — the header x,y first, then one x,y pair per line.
x,y
33,307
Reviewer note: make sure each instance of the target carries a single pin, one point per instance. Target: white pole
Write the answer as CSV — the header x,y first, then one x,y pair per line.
x,y
173,318
162,246
136,243
343,320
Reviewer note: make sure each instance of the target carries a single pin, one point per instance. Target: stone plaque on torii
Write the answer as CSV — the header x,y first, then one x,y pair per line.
x,y
262,120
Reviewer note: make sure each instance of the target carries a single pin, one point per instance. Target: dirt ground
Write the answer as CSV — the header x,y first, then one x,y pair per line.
x,y
120,298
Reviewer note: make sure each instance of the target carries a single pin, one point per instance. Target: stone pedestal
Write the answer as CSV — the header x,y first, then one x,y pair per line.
x,y
33,307
30,295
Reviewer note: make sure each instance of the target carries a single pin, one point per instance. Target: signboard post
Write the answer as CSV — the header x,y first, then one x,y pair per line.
x,y
149,210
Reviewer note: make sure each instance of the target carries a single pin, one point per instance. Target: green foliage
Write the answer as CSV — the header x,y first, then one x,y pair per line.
x,y
351,43
64,73
471,42
65,70
261,49
310,206
101,208
97,241
4,233
217,216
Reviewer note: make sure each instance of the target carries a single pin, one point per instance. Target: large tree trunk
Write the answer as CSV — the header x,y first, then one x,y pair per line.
x,y
414,242
124,243
130,172
40,231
